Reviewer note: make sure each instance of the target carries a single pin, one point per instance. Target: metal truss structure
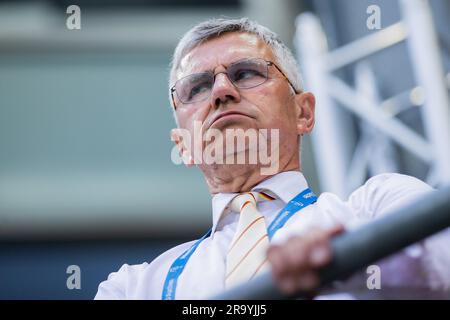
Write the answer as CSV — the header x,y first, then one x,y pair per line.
x,y
342,166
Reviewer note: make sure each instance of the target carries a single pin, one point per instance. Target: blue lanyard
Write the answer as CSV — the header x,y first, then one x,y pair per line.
x,y
300,201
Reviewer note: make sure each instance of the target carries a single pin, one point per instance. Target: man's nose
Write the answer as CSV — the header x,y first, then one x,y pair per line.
x,y
224,90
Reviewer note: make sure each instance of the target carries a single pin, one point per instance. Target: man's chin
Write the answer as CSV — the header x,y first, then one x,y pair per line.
x,y
228,166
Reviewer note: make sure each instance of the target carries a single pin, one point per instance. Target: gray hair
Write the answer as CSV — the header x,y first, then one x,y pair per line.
x,y
213,28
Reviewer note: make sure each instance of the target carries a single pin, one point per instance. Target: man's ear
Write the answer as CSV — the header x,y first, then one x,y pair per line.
x,y
180,140
305,103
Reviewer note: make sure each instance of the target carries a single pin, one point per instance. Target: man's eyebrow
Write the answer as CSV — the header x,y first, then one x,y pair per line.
x,y
193,71
182,72
212,69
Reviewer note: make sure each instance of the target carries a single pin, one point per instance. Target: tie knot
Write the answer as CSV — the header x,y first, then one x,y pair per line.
x,y
244,199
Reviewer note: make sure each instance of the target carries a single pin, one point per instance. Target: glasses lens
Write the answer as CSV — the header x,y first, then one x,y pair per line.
x,y
248,73
195,87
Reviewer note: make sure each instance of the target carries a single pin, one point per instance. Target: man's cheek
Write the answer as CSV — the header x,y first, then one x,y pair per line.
x,y
183,115
260,98
273,120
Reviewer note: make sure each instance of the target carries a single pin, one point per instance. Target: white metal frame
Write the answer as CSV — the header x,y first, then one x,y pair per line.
x,y
341,167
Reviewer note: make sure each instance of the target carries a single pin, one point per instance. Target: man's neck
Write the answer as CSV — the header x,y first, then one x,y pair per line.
x,y
240,178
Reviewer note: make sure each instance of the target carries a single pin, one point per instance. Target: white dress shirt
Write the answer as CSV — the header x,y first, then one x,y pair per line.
x,y
424,265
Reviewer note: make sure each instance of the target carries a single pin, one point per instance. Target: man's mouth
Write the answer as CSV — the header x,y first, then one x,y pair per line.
x,y
227,115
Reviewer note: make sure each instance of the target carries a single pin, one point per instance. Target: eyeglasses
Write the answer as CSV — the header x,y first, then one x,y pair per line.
x,y
244,74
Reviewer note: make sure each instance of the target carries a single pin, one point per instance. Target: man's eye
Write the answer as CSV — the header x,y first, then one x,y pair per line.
x,y
198,89
246,74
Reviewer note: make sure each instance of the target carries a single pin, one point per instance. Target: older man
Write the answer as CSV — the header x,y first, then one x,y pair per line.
x,y
237,75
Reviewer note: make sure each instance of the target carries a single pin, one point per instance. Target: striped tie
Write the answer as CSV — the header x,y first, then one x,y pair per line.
x,y
247,254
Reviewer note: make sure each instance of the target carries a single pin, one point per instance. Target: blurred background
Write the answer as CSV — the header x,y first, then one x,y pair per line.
x,y
86,176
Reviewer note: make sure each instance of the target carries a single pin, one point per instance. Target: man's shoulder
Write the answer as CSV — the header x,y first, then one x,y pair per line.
x,y
123,283
172,254
384,192
392,185
117,283
397,181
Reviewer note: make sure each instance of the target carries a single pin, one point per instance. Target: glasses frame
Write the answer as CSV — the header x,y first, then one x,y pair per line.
x,y
268,62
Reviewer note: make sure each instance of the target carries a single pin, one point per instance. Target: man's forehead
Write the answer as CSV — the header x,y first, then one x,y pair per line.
x,y
224,50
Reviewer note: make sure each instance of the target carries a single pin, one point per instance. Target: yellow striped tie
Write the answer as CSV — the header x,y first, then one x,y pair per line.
x,y
247,253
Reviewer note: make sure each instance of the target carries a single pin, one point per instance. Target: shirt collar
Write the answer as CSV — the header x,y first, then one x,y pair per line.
x,y
284,185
